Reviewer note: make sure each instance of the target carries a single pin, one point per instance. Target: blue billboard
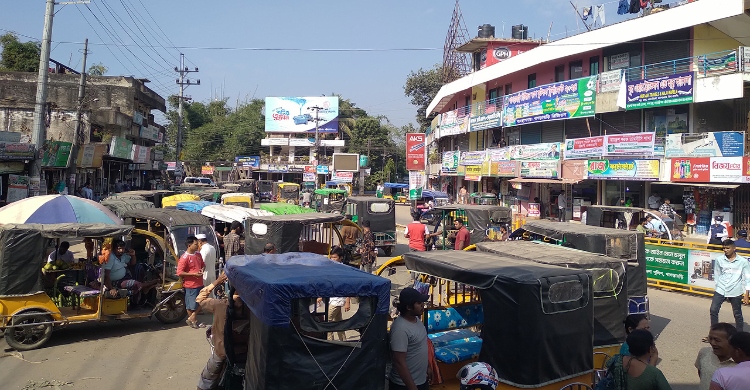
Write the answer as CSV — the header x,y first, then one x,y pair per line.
x,y
297,114
248,161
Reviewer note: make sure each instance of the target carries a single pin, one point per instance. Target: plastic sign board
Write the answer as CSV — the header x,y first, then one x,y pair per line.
x,y
415,151
299,114
346,162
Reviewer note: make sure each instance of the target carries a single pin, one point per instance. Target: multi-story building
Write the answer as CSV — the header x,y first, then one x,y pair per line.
x,y
118,131
621,111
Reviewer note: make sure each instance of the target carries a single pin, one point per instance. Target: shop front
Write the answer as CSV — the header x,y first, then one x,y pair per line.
x,y
55,160
14,159
448,182
115,165
585,192
89,164
623,179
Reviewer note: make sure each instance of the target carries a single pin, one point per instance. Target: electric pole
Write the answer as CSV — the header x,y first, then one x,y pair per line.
x,y
317,139
39,134
183,83
78,136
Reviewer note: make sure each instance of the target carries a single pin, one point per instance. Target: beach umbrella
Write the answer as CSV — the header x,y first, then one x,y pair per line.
x,y
57,209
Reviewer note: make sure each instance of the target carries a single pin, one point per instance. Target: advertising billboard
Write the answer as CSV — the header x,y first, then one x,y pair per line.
x,y
660,91
297,114
623,169
346,162
563,100
415,152
248,161
721,144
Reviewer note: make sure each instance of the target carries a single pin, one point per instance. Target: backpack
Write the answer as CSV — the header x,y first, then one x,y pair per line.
x,y
615,378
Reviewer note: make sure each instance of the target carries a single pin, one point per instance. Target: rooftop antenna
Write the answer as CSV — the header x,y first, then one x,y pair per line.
x,y
455,64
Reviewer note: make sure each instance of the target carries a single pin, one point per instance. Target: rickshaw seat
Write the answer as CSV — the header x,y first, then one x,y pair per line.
x,y
459,352
448,330
320,248
82,291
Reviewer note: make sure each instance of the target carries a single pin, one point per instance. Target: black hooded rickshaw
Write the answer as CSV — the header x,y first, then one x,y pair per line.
x,y
628,218
483,221
381,213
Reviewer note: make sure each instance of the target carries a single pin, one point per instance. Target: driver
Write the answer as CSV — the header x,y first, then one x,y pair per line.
x,y
116,273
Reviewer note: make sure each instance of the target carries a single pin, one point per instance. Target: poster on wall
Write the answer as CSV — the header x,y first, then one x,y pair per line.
x,y
633,144
581,148
681,265
563,100
547,151
623,169
720,144
660,91
506,168
415,152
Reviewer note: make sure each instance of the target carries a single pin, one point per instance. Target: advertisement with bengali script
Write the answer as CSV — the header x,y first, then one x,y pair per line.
x,y
473,173
301,114
506,168
415,152
548,151
472,158
645,170
417,181
540,169
633,144
562,100
450,162
681,265
582,148
659,92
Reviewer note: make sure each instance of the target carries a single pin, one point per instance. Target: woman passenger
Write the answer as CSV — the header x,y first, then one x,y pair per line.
x,y
640,374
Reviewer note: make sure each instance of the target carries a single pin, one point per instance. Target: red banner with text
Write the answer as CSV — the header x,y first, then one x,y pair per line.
x,y
415,151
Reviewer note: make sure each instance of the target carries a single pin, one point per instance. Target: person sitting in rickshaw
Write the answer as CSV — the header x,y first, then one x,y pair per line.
x,y
116,275
61,253
642,226
657,227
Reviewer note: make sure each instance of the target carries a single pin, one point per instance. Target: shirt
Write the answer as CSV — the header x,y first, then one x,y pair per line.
x,y
88,193
561,201
729,276
416,232
666,209
717,231
707,363
652,378
231,244
191,263
219,309
733,378
368,249
462,235
208,253
653,201
349,234
66,257
410,337
117,266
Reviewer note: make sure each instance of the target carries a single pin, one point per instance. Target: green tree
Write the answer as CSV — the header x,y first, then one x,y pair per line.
x,y
349,113
422,86
19,56
97,69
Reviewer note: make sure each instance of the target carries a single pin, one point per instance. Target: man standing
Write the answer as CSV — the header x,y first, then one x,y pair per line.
x,y
379,189
463,195
232,240
349,234
409,350
190,268
732,276
562,206
306,199
737,377
208,253
718,355
87,192
337,305
368,251
462,235
416,232
667,208
653,201
717,232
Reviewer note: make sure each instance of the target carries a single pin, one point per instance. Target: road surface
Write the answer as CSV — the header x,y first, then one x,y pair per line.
x,y
144,354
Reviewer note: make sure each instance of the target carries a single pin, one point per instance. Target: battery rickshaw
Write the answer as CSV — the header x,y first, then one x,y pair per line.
x,y
243,199
328,200
264,191
286,193
381,213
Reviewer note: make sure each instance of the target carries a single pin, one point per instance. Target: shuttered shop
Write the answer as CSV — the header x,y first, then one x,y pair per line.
x,y
552,131
531,134
621,122
663,50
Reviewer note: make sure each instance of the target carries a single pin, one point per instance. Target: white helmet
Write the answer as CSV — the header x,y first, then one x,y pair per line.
x,y
478,376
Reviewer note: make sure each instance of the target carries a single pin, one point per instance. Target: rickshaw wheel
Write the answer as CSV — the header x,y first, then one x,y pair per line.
x,y
290,201
173,310
388,251
29,337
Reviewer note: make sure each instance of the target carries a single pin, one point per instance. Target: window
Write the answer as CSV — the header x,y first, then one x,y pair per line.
x,y
467,101
594,66
568,291
382,207
576,70
560,73
494,93
508,88
532,80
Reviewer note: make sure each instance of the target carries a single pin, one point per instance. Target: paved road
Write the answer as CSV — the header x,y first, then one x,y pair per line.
x,y
141,354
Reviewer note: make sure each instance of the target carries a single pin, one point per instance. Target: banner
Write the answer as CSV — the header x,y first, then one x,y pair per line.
x,y
721,144
717,65
623,169
610,81
633,144
486,121
415,152
56,154
90,155
278,168
342,177
13,151
563,100
18,188
581,148
248,161
307,176
207,170
710,170
120,148
417,181
548,151
322,169
450,162
298,114
506,168
544,169
500,154
472,158
452,124
660,91
681,265
473,172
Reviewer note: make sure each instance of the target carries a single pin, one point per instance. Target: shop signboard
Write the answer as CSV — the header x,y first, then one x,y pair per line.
x,y
14,151
90,155
681,265
545,169
472,158
745,55
417,181
486,121
473,172
610,81
10,136
547,151
450,162
294,169
150,132
278,168
207,170
139,154
719,144
709,170
415,152
582,148
158,155
534,210
18,188
562,100
342,177
322,169
248,161
660,91
452,124
309,169
56,154
301,141
619,61
633,144
120,148
506,168
499,154
644,170
726,170
299,114
308,176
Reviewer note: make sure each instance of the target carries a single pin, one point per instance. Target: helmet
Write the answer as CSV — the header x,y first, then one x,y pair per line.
x,y
478,376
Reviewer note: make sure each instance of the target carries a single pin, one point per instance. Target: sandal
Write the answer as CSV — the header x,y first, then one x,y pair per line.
x,y
200,325
191,324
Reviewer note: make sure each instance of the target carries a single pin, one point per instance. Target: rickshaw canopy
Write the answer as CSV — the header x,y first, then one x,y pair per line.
x,y
381,212
283,231
479,217
171,201
243,199
23,250
168,217
329,191
284,208
120,205
399,186
285,185
434,195
194,206
230,213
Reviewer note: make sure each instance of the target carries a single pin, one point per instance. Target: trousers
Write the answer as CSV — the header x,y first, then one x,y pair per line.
x,y
736,303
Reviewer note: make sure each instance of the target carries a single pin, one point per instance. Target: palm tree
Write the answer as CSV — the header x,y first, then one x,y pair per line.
x,y
348,115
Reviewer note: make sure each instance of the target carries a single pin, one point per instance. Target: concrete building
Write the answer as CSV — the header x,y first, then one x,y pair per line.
x,y
667,78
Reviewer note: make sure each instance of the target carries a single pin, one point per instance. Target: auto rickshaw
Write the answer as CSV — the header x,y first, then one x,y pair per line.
x,y
308,232
483,198
120,205
285,346
194,206
620,244
242,185
534,323
153,196
429,199
222,215
242,199
381,212
628,218
399,192
264,191
170,202
337,185
329,200
36,298
308,186
483,221
286,193
284,208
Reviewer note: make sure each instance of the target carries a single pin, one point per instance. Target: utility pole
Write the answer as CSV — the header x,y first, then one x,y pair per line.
x,y
317,139
39,133
183,83
78,136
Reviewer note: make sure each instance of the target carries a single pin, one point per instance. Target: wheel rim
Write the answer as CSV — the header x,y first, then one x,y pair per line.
x,y
29,335
173,308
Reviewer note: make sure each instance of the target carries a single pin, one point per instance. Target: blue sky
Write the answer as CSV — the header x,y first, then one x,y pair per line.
x,y
374,80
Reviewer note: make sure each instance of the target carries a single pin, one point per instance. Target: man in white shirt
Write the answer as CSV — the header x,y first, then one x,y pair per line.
x,y
732,276
61,253
208,252
562,206
653,201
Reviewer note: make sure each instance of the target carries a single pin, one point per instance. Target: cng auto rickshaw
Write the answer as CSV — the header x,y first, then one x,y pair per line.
x,y
483,198
329,200
35,299
242,185
153,196
242,199
337,185
429,200
170,202
194,206
308,232
381,212
120,205
628,218
286,193
286,346
285,208
264,191
399,192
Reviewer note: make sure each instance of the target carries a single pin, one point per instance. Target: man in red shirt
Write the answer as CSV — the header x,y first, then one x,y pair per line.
x,y
462,236
190,269
417,232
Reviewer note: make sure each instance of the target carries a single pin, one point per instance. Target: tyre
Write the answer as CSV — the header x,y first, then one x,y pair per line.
x,y
291,201
173,310
388,251
29,337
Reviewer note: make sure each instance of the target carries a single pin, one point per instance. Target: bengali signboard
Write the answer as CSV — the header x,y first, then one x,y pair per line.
x,y
450,162
499,154
90,155
342,177
486,121
14,151
681,265
278,168
308,176
545,169
120,148
415,152
18,188
745,54
619,61
472,158
56,154
506,168
720,144
322,169
473,172
248,161
452,124
710,170
633,144
298,114
623,169
610,81
661,91
207,170
563,100
582,148
417,180
150,132
547,151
